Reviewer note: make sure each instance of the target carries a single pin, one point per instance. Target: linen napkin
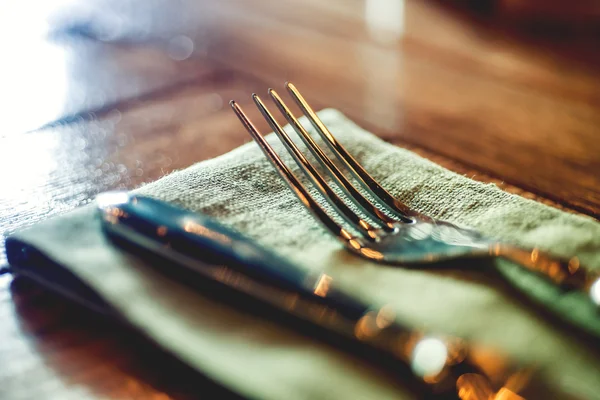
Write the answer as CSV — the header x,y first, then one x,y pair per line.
x,y
259,358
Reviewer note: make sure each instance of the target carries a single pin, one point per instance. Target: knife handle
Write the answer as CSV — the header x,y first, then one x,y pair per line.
x,y
175,232
194,235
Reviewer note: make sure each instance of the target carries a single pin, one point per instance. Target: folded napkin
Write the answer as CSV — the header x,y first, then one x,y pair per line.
x,y
259,358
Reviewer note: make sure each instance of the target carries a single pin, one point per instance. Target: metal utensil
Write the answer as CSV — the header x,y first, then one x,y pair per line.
x,y
440,365
393,232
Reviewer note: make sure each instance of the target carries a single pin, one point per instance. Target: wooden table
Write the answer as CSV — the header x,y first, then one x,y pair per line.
x,y
112,94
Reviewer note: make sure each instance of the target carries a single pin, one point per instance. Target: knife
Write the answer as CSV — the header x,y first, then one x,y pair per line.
x,y
440,365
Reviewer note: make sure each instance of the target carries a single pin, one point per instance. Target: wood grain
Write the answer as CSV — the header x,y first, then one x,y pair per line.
x,y
493,104
436,104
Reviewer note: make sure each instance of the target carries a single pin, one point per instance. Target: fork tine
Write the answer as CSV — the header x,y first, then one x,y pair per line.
x,y
354,195
314,175
366,180
299,190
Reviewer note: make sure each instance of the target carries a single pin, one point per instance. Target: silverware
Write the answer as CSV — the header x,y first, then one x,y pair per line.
x,y
439,365
393,232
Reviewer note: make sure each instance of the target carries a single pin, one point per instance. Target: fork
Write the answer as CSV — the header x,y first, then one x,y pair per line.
x,y
392,233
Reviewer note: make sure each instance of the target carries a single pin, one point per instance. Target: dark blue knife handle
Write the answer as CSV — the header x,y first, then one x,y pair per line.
x,y
200,237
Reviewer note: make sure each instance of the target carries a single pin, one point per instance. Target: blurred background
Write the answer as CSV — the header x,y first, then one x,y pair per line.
x,y
62,56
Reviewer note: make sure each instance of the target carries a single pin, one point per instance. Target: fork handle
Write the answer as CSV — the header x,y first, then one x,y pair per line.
x,y
568,274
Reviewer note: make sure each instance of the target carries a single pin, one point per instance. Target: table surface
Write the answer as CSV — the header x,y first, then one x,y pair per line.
x,y
105,94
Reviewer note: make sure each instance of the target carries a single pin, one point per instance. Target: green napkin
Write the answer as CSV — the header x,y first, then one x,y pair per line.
x,y
261,359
